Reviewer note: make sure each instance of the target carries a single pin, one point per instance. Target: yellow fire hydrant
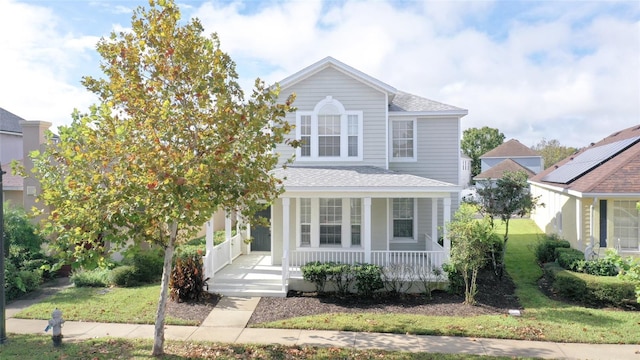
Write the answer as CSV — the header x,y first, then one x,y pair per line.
x,y
55,323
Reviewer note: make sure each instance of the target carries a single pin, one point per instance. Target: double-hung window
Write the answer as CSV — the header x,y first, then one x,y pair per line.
x,y
330,222
356,222
329,132
403,140
626,225
403,218
305,222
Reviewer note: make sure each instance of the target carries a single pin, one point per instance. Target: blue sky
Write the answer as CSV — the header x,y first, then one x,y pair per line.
x,y
566,70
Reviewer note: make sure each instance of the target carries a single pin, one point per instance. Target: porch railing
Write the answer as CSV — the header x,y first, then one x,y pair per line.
x,y
419,259
222,255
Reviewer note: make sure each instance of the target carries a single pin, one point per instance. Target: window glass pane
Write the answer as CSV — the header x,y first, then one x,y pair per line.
x,y
305,132
329,135
356,219
330,221
625,224
403,218
402,141
305,222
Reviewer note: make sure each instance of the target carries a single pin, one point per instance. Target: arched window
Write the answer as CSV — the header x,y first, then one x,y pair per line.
x,y
329,132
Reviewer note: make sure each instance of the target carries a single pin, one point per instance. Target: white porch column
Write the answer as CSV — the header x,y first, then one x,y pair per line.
x,y
434,222
209,258
579,223
227,234
447,219
286,211
367,230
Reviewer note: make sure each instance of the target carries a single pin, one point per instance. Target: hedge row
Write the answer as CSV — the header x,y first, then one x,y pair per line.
x,y
590,289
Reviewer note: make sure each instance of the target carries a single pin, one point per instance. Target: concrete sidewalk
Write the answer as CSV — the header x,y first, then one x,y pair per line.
x,y
227,323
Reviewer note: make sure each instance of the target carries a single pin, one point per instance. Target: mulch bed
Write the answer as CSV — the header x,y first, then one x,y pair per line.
x,y
193,310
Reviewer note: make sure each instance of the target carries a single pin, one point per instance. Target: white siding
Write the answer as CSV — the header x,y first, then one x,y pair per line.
x,y
353,95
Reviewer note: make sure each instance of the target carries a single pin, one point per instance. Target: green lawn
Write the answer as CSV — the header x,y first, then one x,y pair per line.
x,y
117,305
19,347
543,319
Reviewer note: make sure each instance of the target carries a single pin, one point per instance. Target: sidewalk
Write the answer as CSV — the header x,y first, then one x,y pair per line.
x,y
227,323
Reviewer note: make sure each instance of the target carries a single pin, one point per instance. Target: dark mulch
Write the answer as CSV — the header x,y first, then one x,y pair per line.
x,y
193,310
494,297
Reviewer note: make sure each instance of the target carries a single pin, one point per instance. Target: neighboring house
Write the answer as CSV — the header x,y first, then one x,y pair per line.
x,y
465,170
17,138
509,156
375,181
590,197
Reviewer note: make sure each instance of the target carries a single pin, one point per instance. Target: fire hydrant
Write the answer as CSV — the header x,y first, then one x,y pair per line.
x,y
55,323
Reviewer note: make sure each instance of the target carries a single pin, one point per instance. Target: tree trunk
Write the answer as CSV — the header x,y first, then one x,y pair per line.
x,y
158,336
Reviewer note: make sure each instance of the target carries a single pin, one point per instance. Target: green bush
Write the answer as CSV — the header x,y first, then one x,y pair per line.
x,y
545,250
569,258
456,282
148,265
590,289
315,272
598,267
91,278
19,282
125,276
368,279
341,275
187,282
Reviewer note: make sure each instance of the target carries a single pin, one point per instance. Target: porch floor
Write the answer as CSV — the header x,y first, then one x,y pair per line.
x,y
249,275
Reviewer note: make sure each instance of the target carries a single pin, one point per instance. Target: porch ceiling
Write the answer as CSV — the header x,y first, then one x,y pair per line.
x,y
360,181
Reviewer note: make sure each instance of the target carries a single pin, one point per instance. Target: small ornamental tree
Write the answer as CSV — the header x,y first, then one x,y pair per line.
x,y
172,140
475,142
471,240
508,197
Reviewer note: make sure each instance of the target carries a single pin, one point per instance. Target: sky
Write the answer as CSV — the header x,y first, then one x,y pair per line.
x,y
565,70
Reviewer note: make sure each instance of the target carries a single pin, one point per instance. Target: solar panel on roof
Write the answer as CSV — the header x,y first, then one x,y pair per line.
x,y
587,161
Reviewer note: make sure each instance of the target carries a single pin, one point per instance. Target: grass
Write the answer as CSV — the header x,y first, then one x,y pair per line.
x,y
116,305
20,347
543,319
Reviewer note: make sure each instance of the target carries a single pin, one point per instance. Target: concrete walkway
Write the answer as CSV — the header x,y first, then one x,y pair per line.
x,y
227,323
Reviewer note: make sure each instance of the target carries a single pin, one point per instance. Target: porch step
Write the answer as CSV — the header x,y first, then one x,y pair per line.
x,y
250,288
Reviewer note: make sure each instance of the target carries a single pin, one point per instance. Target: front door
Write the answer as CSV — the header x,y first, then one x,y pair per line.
x,y
261,234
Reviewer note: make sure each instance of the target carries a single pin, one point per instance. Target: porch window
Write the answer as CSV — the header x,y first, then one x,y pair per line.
x,y
330,222
403,140
329,132
305,222
356,220
403,218
625,224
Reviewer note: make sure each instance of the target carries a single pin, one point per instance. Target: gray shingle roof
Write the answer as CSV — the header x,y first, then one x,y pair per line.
x,y
403,101
362,178
10,122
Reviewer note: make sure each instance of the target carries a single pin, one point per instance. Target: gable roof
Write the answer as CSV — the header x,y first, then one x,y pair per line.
x,y
614,174
10,122
511,148
407,102
360,179
496,172
340,66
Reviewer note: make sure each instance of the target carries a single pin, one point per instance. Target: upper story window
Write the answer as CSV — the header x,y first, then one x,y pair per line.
x,y
403,140
329,132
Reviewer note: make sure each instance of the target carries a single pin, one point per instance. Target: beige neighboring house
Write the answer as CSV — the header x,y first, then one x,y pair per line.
x,y
590,197
509,156
18,137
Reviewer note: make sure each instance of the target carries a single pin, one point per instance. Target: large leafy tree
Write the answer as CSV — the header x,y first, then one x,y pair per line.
x,y
552,151
476,142
509,196
172,140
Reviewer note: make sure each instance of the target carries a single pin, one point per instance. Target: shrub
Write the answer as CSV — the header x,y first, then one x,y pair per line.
x,y
545,250
91,278
430,279
19,282
456,282
187,282
598,267
368,279
125,275
148,265
341,275
316,273
398,278
569,258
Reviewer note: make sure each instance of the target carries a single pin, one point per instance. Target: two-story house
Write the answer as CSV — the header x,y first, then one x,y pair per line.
x,y
376,179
